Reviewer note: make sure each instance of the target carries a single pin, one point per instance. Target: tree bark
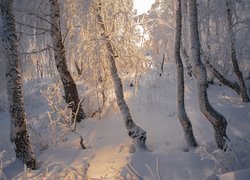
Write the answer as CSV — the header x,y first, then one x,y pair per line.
x,y
208,36
134,131
185,36
19,134
220,77
243,90
233,85
181,111
215,118
71,94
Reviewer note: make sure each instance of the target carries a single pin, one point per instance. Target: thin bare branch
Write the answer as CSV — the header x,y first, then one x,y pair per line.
x,y
37,51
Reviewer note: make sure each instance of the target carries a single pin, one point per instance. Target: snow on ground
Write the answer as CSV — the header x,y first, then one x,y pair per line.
x,y
109,154
242,174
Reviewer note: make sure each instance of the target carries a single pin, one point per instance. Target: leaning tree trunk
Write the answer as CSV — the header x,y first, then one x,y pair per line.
x,y
233,85
19,133
215,118
181,111
71,94
243,90
134,131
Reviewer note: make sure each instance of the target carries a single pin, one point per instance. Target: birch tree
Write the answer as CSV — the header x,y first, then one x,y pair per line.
x,y
243,90
215,38
19,134
215,118
71,94
185,36
181,111
134,131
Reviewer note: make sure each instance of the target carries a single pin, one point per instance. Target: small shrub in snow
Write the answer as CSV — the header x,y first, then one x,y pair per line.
x,y
224,161
59,116
154,173
64,171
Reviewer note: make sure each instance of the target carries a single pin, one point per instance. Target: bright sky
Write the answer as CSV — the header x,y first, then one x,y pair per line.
x,y
142,6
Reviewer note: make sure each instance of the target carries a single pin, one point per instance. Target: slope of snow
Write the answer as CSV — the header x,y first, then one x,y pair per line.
x,y
110,155
242,174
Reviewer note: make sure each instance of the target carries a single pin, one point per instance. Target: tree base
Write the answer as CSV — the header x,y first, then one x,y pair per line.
x,y
139,137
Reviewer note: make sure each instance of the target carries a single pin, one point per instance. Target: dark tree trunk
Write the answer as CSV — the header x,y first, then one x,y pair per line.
x,y
71,94
243,90
185,34
221,78
19,133
181,111
215,118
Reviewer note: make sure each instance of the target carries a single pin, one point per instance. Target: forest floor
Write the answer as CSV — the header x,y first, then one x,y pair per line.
x,y
109,154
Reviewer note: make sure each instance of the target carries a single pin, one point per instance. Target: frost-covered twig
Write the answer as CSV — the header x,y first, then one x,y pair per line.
x,y
53,95
224,161
60,113
77,111
36,51
132,170
53,128
157,169
33,14
74,123
74,126
149,170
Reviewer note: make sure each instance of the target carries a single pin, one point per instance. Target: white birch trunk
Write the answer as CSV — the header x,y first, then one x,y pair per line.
x,y
243,90
71,94
185,37
215,118
208,28
134,131
181,111
19,134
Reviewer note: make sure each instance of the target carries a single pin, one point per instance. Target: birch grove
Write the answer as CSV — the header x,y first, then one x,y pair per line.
x,y
125,76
